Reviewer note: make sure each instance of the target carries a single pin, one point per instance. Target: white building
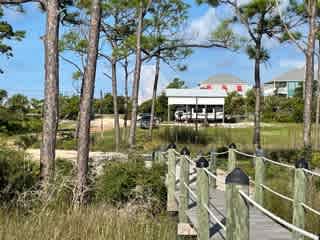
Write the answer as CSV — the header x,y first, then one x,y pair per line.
x,y
206,102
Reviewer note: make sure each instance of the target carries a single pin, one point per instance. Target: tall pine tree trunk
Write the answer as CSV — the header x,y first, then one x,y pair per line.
x,y
154,94
309,78
318,99
81,187
51,93
257,111
136,80
126,98
115,104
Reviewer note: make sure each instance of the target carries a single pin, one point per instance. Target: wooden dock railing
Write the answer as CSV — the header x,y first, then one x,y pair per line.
x,y
235,225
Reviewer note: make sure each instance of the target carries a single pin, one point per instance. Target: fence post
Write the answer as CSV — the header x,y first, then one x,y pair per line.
x,y
203,199
213,169
237,227
161,158
171,181
299,196
231,157
184,179
259,177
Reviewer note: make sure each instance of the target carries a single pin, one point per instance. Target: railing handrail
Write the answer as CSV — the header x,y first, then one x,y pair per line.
x,y
277,193
278,219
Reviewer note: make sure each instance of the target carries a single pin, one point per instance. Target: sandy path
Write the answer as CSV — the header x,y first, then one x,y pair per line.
x,y
69,154
108,124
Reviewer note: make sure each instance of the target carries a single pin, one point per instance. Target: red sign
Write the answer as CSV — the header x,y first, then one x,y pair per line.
x,y
239,88
224,87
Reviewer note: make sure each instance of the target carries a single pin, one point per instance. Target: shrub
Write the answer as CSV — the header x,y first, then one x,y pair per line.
x,y
17,174
121,182
287,155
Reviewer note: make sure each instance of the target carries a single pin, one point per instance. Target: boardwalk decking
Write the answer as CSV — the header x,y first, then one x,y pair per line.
x,y
261,226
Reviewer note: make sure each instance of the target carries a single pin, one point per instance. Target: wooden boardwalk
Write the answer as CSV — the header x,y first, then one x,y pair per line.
x,y
215,205
261,226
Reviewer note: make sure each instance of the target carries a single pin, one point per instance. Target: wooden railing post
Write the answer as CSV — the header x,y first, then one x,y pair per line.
x,y
171,180
161,158
259,177
155,156
237,227
203,199
213,169
184,179
231,157
299,196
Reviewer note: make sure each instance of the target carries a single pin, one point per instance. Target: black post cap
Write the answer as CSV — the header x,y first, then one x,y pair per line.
x,y
259,152
172,146
233,146
237,176
202,163
302,163
185,151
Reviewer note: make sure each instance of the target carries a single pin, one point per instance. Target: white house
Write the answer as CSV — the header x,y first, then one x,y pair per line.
x,y
206,102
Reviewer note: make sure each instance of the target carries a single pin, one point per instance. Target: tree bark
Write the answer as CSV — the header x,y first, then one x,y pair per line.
x,y
318,100
51,93
126,98
309,78
257,111
81,187
154,94
78,116
115,104
136,81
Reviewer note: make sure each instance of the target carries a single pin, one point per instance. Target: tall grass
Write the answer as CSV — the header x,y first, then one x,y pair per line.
x,y
91,222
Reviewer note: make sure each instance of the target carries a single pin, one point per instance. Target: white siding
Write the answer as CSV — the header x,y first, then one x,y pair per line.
x,y
192,101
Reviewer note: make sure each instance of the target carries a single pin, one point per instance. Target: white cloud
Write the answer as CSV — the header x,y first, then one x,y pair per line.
x,y
147,80
201,28
291,63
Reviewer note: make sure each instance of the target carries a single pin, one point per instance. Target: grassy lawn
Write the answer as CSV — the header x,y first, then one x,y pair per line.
x,y
275,137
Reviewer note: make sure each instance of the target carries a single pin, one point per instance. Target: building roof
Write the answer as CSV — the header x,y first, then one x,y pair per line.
x,y
223,79
296,74
195,92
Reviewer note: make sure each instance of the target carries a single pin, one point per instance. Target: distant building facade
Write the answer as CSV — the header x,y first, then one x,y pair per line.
x,y
286,84
206,102
226,83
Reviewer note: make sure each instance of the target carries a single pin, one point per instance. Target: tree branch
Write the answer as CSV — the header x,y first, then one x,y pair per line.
x,y
9,2
182,45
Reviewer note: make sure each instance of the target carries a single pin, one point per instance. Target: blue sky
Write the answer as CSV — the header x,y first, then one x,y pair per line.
x,y
24,72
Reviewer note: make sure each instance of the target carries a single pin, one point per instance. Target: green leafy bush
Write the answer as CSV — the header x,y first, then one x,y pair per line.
x,y
17,174
124,181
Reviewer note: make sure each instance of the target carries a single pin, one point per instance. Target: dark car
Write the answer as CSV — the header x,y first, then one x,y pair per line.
x,y
145,121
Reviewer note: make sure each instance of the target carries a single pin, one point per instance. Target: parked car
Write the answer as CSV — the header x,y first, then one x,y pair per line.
x,y
144,121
